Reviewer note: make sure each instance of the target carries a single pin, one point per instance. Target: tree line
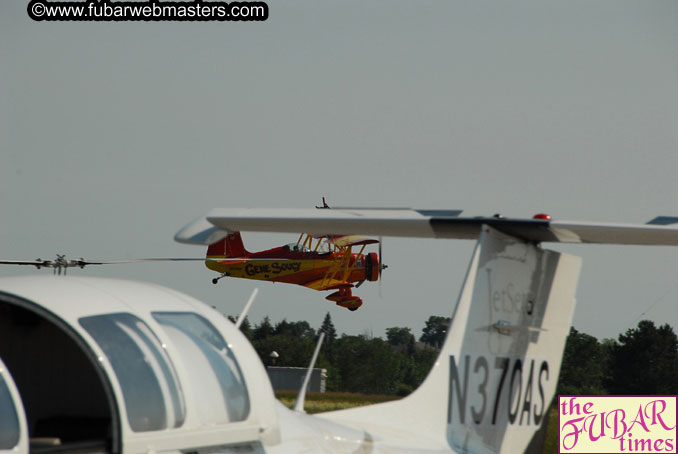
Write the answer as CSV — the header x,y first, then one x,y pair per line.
x,y
364,364
643,360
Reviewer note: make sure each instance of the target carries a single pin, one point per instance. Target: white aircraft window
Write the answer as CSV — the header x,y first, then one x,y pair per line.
x,y
211,366
149,383
9,421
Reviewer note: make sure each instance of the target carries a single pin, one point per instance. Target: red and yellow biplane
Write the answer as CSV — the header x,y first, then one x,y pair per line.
x,y
319,262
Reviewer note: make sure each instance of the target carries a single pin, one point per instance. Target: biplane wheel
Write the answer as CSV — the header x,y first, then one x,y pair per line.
x,y
352,309
216,279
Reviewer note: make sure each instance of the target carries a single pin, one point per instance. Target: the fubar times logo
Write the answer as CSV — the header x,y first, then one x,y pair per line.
x,y
617,424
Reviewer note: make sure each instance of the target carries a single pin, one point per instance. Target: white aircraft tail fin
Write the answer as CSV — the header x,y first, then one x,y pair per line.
x,y
491,387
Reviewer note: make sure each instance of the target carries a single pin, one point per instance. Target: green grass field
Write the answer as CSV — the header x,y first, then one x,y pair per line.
x,y
319,402
551,442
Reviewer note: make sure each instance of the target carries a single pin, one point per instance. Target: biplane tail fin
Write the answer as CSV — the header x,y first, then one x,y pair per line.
x,y
492,385
230,246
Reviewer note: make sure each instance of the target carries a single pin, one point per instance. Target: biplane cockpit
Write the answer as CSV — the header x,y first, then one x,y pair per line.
x,y
296,247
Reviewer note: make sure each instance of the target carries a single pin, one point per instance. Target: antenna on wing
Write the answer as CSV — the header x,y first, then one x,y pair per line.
x,y
325,205
245,309
301,398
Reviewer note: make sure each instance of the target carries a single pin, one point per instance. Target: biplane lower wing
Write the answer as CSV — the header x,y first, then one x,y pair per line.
x,y
419,224
328,284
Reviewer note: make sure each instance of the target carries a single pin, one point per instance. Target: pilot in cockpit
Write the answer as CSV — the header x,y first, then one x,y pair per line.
x,y
296,247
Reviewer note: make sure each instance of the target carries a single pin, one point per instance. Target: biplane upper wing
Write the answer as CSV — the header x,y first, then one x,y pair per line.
x,y
421,224
350,240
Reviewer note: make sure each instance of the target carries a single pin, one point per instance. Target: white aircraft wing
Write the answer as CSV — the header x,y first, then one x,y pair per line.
x,y
371,221
421,224
590,232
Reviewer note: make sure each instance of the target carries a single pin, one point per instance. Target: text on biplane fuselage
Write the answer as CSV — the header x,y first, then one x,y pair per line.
x,y
273,268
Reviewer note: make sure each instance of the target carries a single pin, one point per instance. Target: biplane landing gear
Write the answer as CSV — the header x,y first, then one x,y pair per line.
x,y
352,303
344,298
341,294
216,279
